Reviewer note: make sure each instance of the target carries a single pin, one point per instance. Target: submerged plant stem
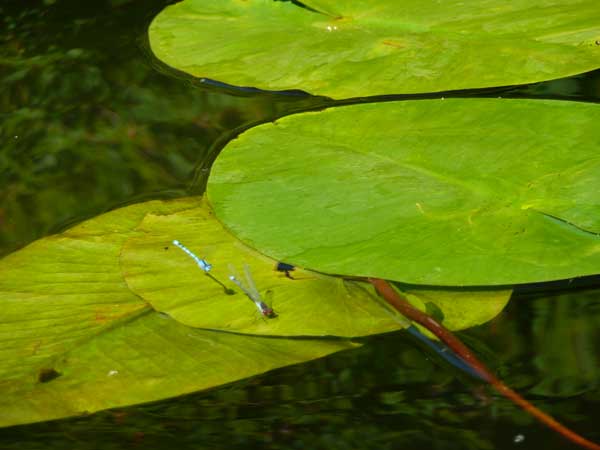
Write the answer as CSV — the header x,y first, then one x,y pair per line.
x,y
446,336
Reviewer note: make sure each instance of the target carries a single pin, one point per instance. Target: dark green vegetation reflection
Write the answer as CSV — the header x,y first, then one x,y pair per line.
x,y
89,121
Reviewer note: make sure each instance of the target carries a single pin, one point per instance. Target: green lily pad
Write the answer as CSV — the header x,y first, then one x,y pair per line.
x,y
62,290
357,48
145,359
433,192
56,293
76,338
309,304
459,308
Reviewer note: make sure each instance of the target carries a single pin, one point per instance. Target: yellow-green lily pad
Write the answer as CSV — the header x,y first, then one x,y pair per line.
x,y
354,48
76,339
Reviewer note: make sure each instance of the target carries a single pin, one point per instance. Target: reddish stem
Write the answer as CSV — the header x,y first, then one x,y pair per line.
x,y
446,336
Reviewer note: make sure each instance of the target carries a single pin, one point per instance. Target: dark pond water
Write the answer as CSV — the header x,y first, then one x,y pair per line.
x,y
91,122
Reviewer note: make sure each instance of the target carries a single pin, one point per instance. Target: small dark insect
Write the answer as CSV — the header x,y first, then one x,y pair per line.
x,y
286,268
45,375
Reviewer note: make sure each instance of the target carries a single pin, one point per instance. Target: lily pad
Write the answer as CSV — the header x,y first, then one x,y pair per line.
x,y
145,359
58,292
62,290
76,339
357,48
306,303
433,192
458,308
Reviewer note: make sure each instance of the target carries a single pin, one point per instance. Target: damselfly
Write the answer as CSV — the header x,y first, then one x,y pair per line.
x,y
203,264
250,290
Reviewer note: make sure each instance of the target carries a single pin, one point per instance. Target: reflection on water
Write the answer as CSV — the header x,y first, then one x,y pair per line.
x,y
91,124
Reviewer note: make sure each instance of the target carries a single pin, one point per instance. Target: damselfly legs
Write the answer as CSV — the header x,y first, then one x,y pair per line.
x,y
250,290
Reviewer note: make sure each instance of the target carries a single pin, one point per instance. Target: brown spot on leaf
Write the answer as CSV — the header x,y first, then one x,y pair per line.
x,y
45,375
100,317
393,43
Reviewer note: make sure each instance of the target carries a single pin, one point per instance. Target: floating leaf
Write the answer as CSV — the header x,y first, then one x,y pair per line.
x,y
149,358
76,339
60,291
433,192
459,308
309,304
357,48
